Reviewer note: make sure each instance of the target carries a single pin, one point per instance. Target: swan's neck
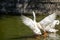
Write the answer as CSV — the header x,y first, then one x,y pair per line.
x,y
34,16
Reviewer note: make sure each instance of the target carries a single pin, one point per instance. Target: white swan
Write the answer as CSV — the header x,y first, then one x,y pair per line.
x,y
47,24
32,24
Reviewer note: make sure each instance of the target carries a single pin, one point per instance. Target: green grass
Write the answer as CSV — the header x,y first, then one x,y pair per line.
x,y
12,28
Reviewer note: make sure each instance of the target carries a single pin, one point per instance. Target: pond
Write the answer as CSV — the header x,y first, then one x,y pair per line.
x,y
12,28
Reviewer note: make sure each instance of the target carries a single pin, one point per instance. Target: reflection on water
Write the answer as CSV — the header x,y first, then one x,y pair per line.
x,y
53,36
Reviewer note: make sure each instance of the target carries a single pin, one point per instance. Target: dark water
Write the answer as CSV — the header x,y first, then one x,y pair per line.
x,y
12,28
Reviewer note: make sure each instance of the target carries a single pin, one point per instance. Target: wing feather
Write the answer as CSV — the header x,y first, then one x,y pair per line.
x,y
27,21
47,20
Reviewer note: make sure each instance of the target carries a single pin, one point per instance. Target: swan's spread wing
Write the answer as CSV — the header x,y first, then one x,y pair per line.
x,y
31,24
47,20
27,21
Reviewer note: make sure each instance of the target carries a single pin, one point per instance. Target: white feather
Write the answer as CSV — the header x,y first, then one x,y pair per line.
x,y
27,21
47,20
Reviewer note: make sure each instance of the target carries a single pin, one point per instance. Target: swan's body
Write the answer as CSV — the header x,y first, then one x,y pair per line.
x,y
51,26
32,24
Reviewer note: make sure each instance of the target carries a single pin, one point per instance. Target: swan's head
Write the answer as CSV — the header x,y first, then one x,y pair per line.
x,y
57,22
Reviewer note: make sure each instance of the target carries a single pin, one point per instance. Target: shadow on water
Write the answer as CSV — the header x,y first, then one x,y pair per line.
x,y
23,37
51,36
30,37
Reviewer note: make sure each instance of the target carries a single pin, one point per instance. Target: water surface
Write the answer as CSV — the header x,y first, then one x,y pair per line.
x,y
12,28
